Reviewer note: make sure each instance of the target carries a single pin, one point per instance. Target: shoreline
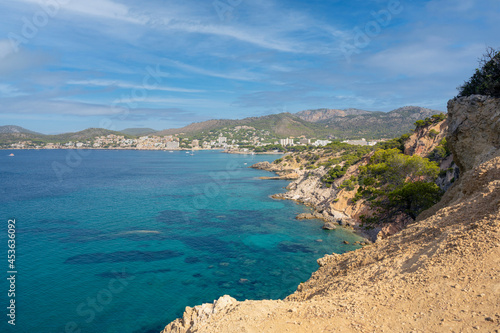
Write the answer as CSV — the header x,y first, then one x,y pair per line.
x,y
114,148
145,149
367,238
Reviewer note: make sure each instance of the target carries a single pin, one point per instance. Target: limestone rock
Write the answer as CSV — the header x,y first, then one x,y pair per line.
x,y
196,316
305,216
474,130
329,226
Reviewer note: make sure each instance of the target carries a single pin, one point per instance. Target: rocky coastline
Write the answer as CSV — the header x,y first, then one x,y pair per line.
x,y
307,188
441,273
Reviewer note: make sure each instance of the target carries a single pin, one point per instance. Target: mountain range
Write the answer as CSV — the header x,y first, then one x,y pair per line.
x,y
319,123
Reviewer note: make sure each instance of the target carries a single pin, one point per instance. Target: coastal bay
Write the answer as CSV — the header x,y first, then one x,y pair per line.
x,y
126,239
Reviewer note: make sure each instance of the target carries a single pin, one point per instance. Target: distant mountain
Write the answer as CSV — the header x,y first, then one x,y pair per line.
x,y
326,114
279,125
87,134
12,134
354,123
12,129
320,123
138,131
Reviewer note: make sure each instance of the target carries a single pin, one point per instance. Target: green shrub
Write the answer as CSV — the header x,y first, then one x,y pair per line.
x,y
413,198
397,184
486,80
433,133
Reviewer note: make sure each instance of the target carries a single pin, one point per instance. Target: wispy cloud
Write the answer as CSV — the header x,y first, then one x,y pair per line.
x,y
104,9
266,55
241,75
127,85
6,90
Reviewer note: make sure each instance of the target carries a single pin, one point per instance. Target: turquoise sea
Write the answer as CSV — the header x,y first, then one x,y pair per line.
x,y
123,241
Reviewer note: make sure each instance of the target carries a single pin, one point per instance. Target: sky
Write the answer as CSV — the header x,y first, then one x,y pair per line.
x,y
67,65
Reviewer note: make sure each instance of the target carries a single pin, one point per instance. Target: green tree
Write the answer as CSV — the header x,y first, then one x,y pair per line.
x,y
398,184
413,198
486,79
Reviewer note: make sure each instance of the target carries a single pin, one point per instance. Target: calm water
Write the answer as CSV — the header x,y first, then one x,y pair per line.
x,y
123,241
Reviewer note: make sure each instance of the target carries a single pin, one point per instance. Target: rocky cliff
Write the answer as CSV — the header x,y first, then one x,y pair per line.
x,y
442,273
336,204
474,129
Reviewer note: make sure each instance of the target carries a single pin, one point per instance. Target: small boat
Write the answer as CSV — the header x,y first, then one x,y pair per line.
x,y
12,154
171,151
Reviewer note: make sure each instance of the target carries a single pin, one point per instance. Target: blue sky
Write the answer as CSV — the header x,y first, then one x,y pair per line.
x,y
66,65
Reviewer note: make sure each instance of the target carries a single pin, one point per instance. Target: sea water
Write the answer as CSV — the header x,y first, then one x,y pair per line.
x,y
122,241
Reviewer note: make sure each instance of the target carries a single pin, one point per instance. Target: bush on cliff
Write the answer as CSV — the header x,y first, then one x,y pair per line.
x,y
350,155
398,185
486,80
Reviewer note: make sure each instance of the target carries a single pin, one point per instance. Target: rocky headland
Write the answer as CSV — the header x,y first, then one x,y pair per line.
x,y
440,273
334,204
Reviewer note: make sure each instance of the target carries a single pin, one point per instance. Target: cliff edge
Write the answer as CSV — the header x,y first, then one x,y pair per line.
x,y
441,273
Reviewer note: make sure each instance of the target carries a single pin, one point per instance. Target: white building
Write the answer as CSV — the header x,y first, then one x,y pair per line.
x,y
361,142
173,145
304,141
286,142
321,143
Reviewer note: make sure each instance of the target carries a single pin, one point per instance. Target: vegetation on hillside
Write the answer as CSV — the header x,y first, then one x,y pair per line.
x,y
349,155
434,119
486,79
397,185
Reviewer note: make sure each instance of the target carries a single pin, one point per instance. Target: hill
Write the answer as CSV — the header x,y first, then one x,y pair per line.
x,y
8,136
278,125
88,134
321,123
321,115
354,123
12,129
138,131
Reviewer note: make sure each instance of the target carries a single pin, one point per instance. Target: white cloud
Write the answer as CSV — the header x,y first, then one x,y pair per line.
x,y
242,75
5,48
6,90
149,86
98,8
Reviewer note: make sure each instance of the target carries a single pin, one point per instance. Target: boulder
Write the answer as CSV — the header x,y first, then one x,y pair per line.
x,y
329,226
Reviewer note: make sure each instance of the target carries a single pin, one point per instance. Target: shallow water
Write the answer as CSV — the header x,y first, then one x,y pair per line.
x,y
123,241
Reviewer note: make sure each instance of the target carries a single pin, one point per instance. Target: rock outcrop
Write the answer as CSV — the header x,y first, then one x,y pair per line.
x,y
474,129
425,139
442,273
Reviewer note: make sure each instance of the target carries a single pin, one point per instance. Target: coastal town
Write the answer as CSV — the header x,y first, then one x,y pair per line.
x,y
239,139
